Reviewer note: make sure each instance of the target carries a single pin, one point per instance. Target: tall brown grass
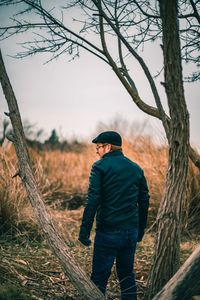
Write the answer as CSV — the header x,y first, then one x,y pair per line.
x,y
68,172
12,194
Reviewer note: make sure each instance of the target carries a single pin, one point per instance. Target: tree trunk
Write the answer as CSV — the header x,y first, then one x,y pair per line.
x,y
76,275
185,283
167,246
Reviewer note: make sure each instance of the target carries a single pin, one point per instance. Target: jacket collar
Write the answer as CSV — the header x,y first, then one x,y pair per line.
x,y
113,153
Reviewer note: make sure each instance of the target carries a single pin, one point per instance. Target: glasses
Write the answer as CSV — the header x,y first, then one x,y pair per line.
x,y
100,146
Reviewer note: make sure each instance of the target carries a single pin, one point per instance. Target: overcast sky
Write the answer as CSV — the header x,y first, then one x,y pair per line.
x,y
73,97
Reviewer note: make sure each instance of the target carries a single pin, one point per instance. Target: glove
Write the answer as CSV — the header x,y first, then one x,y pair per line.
x,y
140,234
85,241
84,236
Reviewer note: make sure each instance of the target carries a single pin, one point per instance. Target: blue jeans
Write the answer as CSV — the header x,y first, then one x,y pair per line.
x,y
120,246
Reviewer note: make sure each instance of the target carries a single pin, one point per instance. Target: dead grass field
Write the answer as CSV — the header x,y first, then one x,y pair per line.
x,y
28,268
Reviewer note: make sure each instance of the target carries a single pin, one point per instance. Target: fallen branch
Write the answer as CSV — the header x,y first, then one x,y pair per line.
x,y
185,283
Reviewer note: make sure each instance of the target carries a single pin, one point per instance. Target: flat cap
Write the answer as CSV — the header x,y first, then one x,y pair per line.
x,y
108,137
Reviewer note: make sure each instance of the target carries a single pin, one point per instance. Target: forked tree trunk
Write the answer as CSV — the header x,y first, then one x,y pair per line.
x,y
167,246
71,269
185,283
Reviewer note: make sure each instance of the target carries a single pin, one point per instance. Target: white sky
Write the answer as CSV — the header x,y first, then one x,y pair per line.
x,y
73,97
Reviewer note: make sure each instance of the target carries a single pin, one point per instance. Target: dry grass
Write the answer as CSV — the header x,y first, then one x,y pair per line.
x,y
60,175
26,261
12,195
192,216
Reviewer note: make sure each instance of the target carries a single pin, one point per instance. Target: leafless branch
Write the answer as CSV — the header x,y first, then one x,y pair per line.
x,y
161,114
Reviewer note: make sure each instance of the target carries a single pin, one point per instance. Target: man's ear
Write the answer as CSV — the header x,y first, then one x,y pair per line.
x,y
109,147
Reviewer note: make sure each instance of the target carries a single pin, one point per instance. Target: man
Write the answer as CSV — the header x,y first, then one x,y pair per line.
x,y
118,196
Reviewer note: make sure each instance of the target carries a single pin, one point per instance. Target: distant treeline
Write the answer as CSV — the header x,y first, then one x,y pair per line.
x,y
33,138
53,143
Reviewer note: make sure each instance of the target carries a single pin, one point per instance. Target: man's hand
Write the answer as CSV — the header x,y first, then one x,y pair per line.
x,y
84,236
140,234
85,241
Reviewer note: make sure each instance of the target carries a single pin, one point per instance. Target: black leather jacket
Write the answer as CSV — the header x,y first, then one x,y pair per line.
x,y
117,194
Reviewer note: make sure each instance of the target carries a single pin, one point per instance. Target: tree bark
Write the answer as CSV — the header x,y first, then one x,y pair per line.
x,y
167,246
71,269
185,283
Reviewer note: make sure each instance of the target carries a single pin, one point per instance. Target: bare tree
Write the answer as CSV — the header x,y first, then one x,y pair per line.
x,y
76,275
127,25
170,210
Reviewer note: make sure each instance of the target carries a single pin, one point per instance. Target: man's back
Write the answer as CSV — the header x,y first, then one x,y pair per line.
x,y
120,183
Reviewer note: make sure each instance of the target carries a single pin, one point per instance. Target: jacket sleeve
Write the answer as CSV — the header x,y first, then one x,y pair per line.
x,y
143,202
93,201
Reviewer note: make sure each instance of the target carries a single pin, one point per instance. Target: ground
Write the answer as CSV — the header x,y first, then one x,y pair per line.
x,y
29,270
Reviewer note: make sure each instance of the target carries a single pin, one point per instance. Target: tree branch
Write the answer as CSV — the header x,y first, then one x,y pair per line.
x,y
160,113
146,108
196,14
145,13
